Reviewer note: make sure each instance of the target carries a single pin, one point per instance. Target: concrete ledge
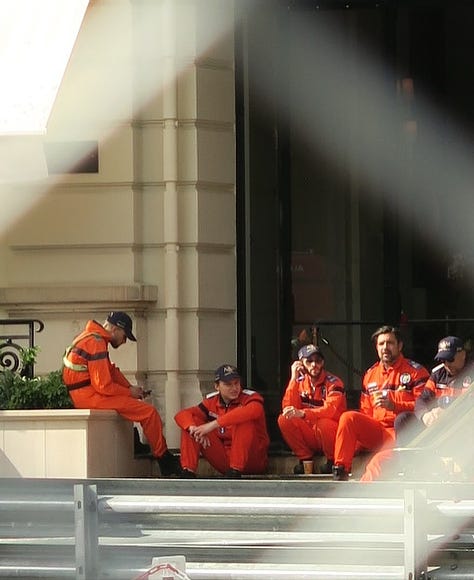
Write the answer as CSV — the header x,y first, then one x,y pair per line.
x,y
68,443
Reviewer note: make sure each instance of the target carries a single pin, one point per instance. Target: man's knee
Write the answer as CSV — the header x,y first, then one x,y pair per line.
x,y
281,422
348,419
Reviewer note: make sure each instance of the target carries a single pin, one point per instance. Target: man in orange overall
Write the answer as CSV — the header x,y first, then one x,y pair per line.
x,y
94,382
448,380
228,427
389,387
311,407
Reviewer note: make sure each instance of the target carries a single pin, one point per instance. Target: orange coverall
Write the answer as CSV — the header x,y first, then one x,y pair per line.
x,y
240,442
439,384
372,427
323,403
98,384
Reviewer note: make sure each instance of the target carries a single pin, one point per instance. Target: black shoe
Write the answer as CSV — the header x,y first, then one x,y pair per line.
x,y
233,473
326,468
298,469
140,449
169,464
339,473
187,474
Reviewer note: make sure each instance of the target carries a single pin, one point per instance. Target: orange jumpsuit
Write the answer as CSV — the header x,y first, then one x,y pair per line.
x,y
323,402
95,382
240,442
440,384
372,427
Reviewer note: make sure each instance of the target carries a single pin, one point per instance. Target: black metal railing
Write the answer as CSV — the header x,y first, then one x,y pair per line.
x,y
16,335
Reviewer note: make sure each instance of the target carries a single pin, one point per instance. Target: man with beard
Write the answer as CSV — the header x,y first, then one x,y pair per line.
x,y
312,404
449,379
389,388
93,382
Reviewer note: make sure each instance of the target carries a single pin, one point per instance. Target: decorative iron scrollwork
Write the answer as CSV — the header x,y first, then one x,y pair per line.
x,y
10,356
10,352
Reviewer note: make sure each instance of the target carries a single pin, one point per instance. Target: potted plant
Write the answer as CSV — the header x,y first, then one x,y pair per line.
x,y
18,391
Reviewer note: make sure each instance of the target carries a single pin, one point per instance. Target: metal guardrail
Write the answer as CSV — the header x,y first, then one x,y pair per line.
x,y
231,530
10,349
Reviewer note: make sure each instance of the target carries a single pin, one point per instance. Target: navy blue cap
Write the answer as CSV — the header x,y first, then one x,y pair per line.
x,y
308,350
226,373
448,347
123,321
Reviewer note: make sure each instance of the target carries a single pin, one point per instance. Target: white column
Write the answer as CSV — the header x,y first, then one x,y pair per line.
x,y
171,233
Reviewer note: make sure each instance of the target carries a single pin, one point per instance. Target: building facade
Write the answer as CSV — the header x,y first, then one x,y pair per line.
x,y
235,173
137,210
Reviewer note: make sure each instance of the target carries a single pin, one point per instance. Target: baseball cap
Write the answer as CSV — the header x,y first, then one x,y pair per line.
x,y
226,373
308,350
448,347
123,321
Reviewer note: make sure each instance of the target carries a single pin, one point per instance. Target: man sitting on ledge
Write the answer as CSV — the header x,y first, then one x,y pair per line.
x,y
94,382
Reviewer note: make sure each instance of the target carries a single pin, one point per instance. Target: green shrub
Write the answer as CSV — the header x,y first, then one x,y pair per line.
x,y
45,392
21,390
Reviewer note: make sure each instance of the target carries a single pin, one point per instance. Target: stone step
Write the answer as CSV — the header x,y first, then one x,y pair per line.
x,y
280,463
283,464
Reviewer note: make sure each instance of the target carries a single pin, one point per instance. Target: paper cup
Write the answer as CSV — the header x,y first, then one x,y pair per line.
x,y
308,467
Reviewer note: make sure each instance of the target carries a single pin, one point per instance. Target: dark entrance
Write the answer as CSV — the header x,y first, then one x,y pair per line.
x,y
354,137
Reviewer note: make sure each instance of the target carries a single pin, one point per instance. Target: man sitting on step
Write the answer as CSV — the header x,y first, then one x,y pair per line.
x,y
389,387
228,428
312,404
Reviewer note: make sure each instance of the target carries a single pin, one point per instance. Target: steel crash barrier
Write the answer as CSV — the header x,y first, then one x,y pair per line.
x,y
247,529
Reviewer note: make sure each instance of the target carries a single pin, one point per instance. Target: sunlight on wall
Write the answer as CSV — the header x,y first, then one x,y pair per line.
x,y
36,40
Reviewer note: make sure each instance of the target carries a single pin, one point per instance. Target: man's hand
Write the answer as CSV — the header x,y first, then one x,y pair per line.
x,y
432,416
297,370
136,392
291,412
196,434
383,399
205,428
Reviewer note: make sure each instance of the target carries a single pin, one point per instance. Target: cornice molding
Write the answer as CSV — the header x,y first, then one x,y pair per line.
x,y
136,295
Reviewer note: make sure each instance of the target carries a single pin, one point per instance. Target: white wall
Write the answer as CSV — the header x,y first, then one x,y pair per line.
x,y
153,232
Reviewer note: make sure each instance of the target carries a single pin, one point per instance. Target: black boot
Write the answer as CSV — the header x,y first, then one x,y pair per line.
x,y
339,473
233,473
187,474
169,464
326,468
298,469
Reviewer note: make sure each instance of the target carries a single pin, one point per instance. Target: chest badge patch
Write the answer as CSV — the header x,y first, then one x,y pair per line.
x,y
405,378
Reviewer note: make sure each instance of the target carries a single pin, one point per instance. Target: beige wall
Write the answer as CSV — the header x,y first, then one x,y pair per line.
x,y
153,232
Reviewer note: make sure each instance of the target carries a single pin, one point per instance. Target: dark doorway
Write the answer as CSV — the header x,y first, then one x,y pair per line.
x,y
345,115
